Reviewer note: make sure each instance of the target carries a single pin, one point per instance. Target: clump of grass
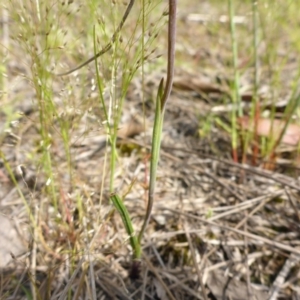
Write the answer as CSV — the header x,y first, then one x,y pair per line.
x,y
263,24
63,223
161,101
267,56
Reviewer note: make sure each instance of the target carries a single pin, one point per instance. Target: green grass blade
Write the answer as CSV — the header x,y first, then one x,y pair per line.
x,y
118,203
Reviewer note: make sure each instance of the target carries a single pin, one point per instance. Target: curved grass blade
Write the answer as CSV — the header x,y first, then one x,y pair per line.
x,y
118,203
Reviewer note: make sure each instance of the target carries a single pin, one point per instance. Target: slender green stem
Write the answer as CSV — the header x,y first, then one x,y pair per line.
x,y
99,82
161,101
236,85
255,47
156,140
255,102
236,97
